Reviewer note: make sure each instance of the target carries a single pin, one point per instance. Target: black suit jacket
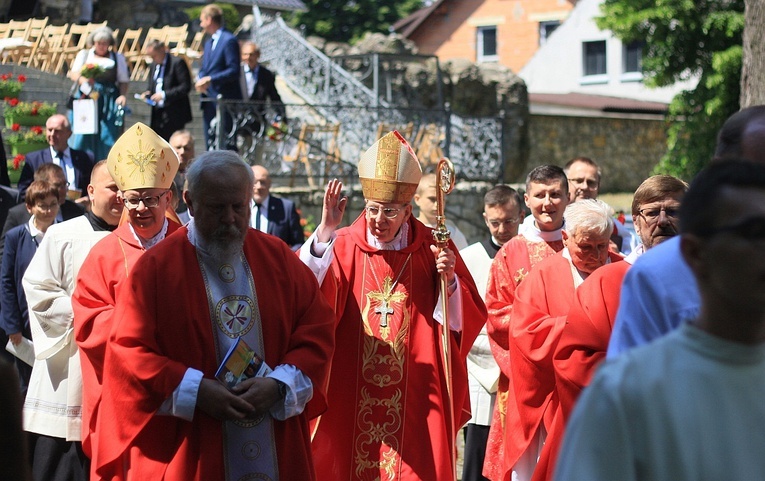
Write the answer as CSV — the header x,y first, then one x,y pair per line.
x,y
81,161
20,215
284,221
265,89
176,82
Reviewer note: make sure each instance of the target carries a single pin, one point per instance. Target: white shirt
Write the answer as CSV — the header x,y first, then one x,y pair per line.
x,y
263,212
67,164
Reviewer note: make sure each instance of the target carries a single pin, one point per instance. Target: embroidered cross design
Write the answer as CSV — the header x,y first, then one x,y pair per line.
x,y
385,297
235,316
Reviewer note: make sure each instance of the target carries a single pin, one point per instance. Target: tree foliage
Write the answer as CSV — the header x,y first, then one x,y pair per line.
x,y
349,20
686,39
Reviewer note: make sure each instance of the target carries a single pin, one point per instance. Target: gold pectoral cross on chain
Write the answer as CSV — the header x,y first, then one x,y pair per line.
x,y
385,296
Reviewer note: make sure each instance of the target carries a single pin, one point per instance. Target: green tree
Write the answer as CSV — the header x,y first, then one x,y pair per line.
x,y
349,20
685,39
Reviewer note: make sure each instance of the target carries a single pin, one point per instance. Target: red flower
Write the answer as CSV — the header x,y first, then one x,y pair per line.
x,y
13,102
22,78
15,127
36,129
34,111
17,161
5,76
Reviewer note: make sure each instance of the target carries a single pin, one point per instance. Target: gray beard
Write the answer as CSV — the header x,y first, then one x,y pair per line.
x,y
226,243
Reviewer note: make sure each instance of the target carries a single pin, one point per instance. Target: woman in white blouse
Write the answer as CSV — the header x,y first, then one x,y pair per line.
x,y
108,88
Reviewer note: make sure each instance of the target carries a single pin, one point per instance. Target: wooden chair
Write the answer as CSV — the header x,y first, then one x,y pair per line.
x,y
427,145
141,67
16,36
23,54
317,144
193,52
405,130
130,46
51,43
175,38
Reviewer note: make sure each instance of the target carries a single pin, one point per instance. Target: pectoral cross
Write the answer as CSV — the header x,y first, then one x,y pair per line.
x,y
385,296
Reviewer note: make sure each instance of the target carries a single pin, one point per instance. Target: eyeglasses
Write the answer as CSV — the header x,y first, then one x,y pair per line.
x,y
591,183
752,229
508,222
47,207
58,185
652,215
388,212
149,201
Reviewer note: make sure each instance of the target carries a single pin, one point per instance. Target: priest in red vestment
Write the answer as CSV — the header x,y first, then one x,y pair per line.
x,y
584,340
546,196
212,284
391,415
539,314
143,166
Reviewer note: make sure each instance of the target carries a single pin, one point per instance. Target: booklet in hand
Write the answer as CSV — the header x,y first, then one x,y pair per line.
x,y
241,362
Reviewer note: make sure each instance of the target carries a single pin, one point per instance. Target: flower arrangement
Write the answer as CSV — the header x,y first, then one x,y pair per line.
x,y
91,70
43,109
14,168
276,131
11,87
32,135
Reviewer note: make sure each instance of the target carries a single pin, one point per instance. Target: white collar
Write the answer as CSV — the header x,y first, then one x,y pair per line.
x,y
396,244
149,243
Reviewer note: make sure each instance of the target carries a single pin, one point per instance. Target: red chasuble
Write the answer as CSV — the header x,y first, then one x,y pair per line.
x,y
103,272
165,328
543,301
511,265
388,406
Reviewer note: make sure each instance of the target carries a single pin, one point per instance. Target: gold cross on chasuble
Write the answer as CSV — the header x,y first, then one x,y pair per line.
x,y
385,297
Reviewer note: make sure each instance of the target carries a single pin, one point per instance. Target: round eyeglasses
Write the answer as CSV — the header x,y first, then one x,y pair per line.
x,y
149,201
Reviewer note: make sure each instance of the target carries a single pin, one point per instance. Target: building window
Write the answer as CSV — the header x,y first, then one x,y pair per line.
x,y
486,44
633,54
546,29
594,54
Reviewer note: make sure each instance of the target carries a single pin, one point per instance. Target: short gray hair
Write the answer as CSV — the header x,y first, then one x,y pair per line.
x,y
216,161
588,215
102,33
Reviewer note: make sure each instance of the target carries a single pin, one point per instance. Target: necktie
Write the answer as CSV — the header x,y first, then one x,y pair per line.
x,y
60,156
257,216
157,70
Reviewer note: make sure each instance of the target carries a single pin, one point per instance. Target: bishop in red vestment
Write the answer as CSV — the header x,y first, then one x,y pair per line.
x,y
146,197
390,415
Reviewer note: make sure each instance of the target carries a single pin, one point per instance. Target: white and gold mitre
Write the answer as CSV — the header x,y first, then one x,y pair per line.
x,y
141,159
389,170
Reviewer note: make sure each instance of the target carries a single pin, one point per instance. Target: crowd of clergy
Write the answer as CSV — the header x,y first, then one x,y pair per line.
x,y
180,329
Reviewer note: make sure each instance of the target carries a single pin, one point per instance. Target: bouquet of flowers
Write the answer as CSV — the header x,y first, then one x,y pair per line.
x,y
11,87
15,108
91,70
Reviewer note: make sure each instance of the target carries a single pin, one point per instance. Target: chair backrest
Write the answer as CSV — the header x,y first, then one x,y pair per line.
x,y
196,42
405,130
175,37
53,41
18,28
130,41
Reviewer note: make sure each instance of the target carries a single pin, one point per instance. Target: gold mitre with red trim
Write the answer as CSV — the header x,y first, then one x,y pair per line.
x,y
141,159
389,171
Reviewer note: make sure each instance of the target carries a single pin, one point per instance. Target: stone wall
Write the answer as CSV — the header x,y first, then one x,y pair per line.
x,y
627,149
463,206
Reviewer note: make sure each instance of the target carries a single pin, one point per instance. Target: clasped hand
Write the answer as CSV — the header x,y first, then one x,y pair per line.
x,y
250,398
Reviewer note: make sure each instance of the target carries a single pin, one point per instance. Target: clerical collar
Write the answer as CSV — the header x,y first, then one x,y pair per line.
x,y
400,241
534,234
97,223
579,276
491,246
149,243
636,252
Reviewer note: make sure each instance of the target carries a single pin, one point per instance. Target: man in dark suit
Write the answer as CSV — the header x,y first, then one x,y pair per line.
x,y
219,74
169,86
258,85
76,164
53,174
274,215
